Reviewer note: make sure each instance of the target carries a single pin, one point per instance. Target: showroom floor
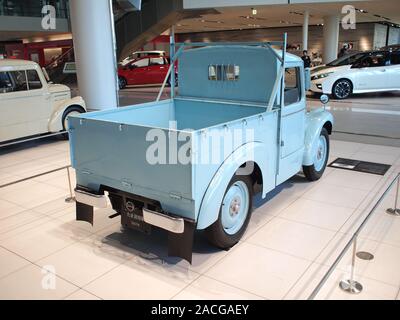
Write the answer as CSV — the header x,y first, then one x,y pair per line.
x,y
292,239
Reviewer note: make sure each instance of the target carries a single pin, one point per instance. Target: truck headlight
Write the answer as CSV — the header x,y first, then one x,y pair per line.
x,y
321,76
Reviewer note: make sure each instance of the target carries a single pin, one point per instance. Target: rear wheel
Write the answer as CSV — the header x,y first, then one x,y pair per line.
x,y
315,171
342,89
234,214
176,80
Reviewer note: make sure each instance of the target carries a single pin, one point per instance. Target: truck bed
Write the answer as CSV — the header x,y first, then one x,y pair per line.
x,y
112,146
202,114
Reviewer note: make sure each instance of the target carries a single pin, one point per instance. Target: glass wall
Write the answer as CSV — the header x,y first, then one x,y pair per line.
x,y
33,8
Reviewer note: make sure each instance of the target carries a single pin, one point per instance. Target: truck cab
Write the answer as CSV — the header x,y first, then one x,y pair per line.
x,y
29,105
238,126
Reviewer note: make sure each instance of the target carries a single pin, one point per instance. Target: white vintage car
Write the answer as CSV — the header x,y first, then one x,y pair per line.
x,y
29,105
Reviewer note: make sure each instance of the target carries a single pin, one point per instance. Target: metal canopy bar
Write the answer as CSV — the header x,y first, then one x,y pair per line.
x,y
203,44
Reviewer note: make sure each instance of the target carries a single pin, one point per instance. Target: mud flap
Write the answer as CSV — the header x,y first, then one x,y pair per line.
x,y
84,212
181,244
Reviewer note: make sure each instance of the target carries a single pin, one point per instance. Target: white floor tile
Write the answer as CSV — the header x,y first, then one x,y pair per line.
x,y
340,196
8,209
264,272
41,241
10,262
27,283
352,179
84,261
372,289
318,214
205,288
297,239
81,295
140,279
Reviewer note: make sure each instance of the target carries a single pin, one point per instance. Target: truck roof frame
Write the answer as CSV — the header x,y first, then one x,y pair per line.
x,y
280,79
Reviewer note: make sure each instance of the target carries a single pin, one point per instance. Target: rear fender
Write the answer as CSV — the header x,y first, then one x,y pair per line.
x,y
211,203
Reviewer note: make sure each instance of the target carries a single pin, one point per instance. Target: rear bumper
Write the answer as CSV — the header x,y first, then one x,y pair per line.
x,y
180,230
91,199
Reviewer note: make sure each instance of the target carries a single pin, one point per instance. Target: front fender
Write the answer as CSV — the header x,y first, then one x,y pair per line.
x,y
315,120
210,205
55,123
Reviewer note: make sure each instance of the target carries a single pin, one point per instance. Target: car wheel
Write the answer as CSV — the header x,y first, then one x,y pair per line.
x,y
234,214
73,110
315,171
122,82
342,89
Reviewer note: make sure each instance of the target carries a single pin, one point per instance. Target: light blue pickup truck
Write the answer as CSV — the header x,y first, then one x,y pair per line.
x,y
238,126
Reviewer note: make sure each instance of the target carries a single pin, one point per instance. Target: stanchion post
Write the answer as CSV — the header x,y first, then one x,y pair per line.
x,y
395,211
71,197
351,285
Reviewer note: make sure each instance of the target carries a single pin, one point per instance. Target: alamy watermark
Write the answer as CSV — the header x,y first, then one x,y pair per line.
x,y
49,18
212,146
349,18
49,277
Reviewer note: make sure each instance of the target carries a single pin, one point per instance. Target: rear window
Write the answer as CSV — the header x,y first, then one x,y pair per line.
x,y
292,86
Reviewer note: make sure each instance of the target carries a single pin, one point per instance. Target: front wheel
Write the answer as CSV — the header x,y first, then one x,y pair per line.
x,y
234,214
315,171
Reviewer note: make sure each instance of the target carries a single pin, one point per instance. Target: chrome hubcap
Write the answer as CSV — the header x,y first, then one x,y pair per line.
x,y
321,154
235,207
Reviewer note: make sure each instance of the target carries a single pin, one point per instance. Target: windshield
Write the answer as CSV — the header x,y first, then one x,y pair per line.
x,y
347,59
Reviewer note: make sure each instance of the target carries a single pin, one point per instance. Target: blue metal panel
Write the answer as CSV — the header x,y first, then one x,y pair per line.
x,y
258,69
211,186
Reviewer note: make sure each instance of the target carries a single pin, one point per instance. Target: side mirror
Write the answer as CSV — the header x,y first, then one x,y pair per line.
x,y
324,99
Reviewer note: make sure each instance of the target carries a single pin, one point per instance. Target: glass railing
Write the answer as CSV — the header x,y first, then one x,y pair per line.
x,y
33,8
355,268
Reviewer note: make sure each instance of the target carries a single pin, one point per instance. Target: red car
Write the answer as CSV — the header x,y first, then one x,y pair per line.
x,y
144,70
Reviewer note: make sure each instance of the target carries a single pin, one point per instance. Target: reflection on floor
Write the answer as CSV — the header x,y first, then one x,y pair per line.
x,y
292,239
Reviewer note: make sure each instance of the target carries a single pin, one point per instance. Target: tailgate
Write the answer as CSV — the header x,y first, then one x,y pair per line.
x,y
115,155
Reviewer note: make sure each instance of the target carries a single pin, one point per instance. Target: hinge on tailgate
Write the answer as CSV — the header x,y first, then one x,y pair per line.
x,y
175,196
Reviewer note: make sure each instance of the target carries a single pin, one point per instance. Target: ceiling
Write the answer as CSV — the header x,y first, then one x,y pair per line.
x,y
234,18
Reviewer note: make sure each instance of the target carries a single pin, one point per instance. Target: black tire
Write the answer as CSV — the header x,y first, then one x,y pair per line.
x,y
309,171
65,115
122,82
342,89
216,234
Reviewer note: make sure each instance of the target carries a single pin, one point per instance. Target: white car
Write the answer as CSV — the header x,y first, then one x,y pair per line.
x,y
29,105
374,72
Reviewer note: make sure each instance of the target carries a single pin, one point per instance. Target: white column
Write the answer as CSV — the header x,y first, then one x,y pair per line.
x,y
331,37
305,30
93,36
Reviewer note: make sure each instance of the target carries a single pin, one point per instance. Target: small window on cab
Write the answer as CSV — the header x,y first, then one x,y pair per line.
x,y
33,80
292,85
